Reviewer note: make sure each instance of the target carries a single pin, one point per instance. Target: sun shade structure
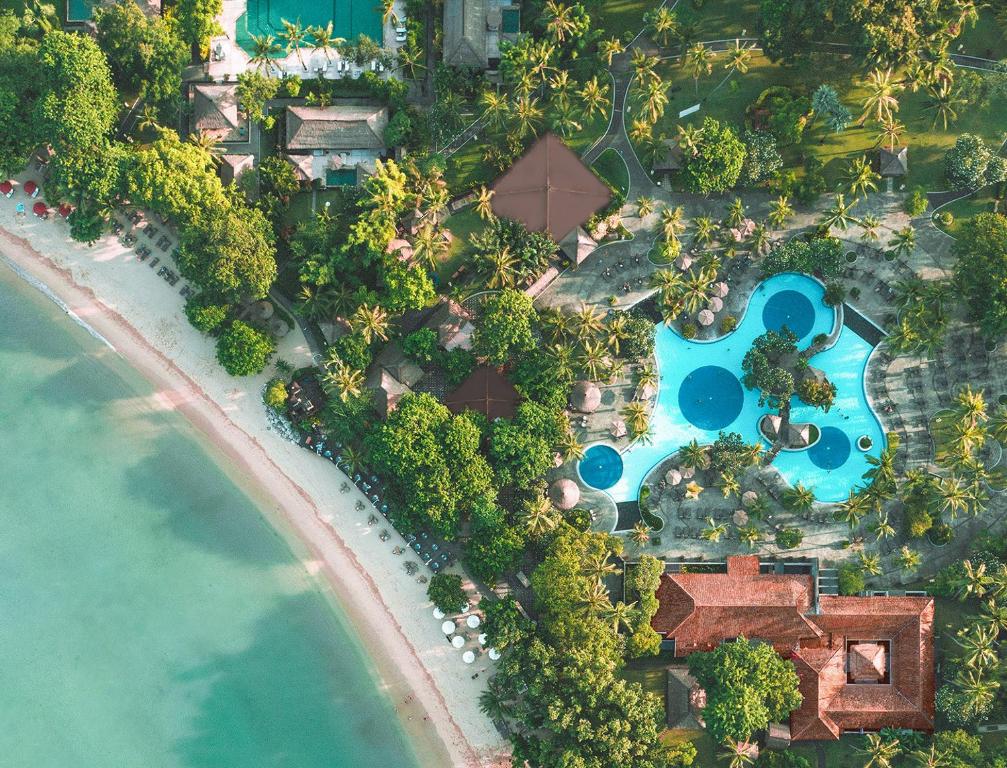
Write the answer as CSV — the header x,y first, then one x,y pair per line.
x,y
863,662
585,397
39,209
31,189
893,162
549,190
487,391
564,494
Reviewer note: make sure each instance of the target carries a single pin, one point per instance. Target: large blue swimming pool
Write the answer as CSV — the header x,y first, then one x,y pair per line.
x,y
701,394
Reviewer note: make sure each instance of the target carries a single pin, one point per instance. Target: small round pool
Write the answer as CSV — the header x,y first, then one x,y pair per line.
x,y
711,397
601,467
789,308
832,449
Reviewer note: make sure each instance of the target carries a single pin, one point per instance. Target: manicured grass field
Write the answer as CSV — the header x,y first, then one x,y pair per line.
x,y
967,208
462,226
728,100
623,18
612,168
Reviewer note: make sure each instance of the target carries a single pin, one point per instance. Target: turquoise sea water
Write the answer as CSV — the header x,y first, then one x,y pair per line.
x,y
149,614
700,394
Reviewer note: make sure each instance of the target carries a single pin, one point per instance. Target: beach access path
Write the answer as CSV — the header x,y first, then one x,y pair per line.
x,y
141,316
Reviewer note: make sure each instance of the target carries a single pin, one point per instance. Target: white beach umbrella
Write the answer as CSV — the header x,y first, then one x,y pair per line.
x,y
438,614
715,304
465,608
494,654
458,641
468,657
448,627
705,317
482,639
473,621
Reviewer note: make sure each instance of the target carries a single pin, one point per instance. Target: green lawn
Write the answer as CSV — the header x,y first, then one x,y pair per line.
x,y
612,168
462,226
623,18
986,39
967,208
727,101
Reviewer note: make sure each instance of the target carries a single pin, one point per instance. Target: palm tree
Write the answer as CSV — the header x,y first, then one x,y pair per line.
x,y
729,484
594,97
527,115
669,284
429,245
979,690
370,322
698,62
909,559
640,534
635,414
345,381
930,758
609,48
264,47
971,405
689,137
759,243
598,566
852,509
750,535
979,646
995,615
883,529
501,265
870,226
998,424
839,215
559,22
148,119
594,359
904,241
209,143
694,455
879,752
484,205
954,497
644,206
974,581
738,57
586,321
890,133
671,221
871,563
655,93
410,58
493,701
643,65
594,600
388,12
663,25
564,121
861,177
322,39
881,100
539,517
495,107
779,211
621,615
640,129
735,213
943,102
704,230
714,531
798,498
295,35
737,753
570,446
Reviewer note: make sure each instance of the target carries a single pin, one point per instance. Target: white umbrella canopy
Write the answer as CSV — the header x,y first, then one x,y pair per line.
x,y
715,304
494,654
457,641
705,317
473,621
468,657
438,614
448,627
482,639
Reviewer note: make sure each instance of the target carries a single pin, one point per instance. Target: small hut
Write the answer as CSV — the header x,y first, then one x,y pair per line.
x,y
586,397
486,391
893,162
671,159
564,494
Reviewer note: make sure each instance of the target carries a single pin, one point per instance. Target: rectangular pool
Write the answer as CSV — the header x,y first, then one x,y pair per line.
x,y
349,18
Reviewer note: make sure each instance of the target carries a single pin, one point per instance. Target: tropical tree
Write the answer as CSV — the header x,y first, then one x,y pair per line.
x,y
264,47
609,48
759,242
594,97
944,101
738,754
593,600
881,102
526,115
663,25
904,241
689,137
586,321
870,224
621,615
979,646
879,752
909,559
978,689
853,509
655,92
371,322
890,133
713,531
635,414
640,129
974,581
735,213
930,758
644,206
346,382
779,211
798,497
738,57
840,214
861,178
484,203
704,230
295,35
559,20
495,107
640,534
643,65
323,40
883,529
698,61
539,517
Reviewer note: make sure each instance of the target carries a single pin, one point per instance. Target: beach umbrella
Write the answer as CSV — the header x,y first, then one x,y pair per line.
x,y
720,289
65,209
564,494
494,654
468,657
448,627
740,517
618,428
39,209
473,621
482,639
31,189
705,317
683,262
748,498
586,397
692,490
673,477
688,472
6,188
438,614
458,641
645,391
715,304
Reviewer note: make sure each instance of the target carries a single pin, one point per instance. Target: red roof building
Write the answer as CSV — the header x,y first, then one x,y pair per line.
x,y
863,662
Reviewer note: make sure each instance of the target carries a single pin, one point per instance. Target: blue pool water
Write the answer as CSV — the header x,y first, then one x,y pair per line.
x,y
701,393
601,467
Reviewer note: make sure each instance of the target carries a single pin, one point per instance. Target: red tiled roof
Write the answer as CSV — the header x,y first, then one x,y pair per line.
x,y
699,611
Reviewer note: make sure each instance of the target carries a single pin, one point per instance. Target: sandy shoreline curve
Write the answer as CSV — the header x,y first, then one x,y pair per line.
x,y
418,670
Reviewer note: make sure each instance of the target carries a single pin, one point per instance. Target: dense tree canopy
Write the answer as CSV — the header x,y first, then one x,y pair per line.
x,y
971,163
505,328
197,20
244,350
748,685
981,271
821,256
767,367
717,163
18,134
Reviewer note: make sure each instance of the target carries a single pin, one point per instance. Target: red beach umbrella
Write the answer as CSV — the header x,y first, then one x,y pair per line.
x,y
6,188
65,209
39,209
31,189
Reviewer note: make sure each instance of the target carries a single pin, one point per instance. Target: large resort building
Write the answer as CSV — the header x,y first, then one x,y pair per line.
x,y
864,663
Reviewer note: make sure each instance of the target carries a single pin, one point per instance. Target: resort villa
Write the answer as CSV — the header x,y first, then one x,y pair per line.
x,y
864,663
473,30
336,144
216,112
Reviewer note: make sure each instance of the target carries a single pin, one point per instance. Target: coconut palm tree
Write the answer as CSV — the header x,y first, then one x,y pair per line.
x,y
586,321
798,498
970,405
594,359
148,119
704,230
861,177
635,414
904,241
571,448
779,211
697,285
930,758
998,424
616,331
737,753
698,61
995,615
370,322
644,206
979,646
494,702
598,566
346,382
620,615
879,752
484,203
853,509
646,376
593,600
502,269
295,36
909,559
689,137
714,531
840,214
559,20
640,534
264,48
980,690
539,517
322,39
974,580
870,226
955,497
883,529
944,101
671,222
643,65
429,245
594,97
410,59
759,242
890,133
388,14
527,116
694,455
735,213
738,57
663,25
655,93
607,49
669,284
881,102
750,535
495,107
640,129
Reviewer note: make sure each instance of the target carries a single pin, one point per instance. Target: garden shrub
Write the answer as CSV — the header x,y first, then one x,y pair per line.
x,y
851,579
275,395
244,350
728,323
789,538
421,346
205,314
916,203
353,350
689,331
445,591
941,533
835,294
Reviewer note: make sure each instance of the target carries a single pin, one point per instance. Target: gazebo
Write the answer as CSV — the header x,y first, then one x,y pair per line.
x,y
586,397
486,391
893,162
564,494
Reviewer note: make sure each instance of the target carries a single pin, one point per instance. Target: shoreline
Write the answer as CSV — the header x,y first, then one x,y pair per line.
x,y
293,510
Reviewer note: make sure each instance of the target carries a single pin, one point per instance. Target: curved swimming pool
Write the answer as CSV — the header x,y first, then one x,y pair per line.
x,y
701,394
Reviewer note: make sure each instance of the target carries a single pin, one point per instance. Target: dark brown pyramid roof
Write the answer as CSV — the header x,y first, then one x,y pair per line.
x,y
487,391
549,190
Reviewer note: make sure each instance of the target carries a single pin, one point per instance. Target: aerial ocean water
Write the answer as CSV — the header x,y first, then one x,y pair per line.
x,y
150,615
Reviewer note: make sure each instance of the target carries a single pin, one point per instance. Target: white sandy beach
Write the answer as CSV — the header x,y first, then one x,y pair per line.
x,y
141,316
